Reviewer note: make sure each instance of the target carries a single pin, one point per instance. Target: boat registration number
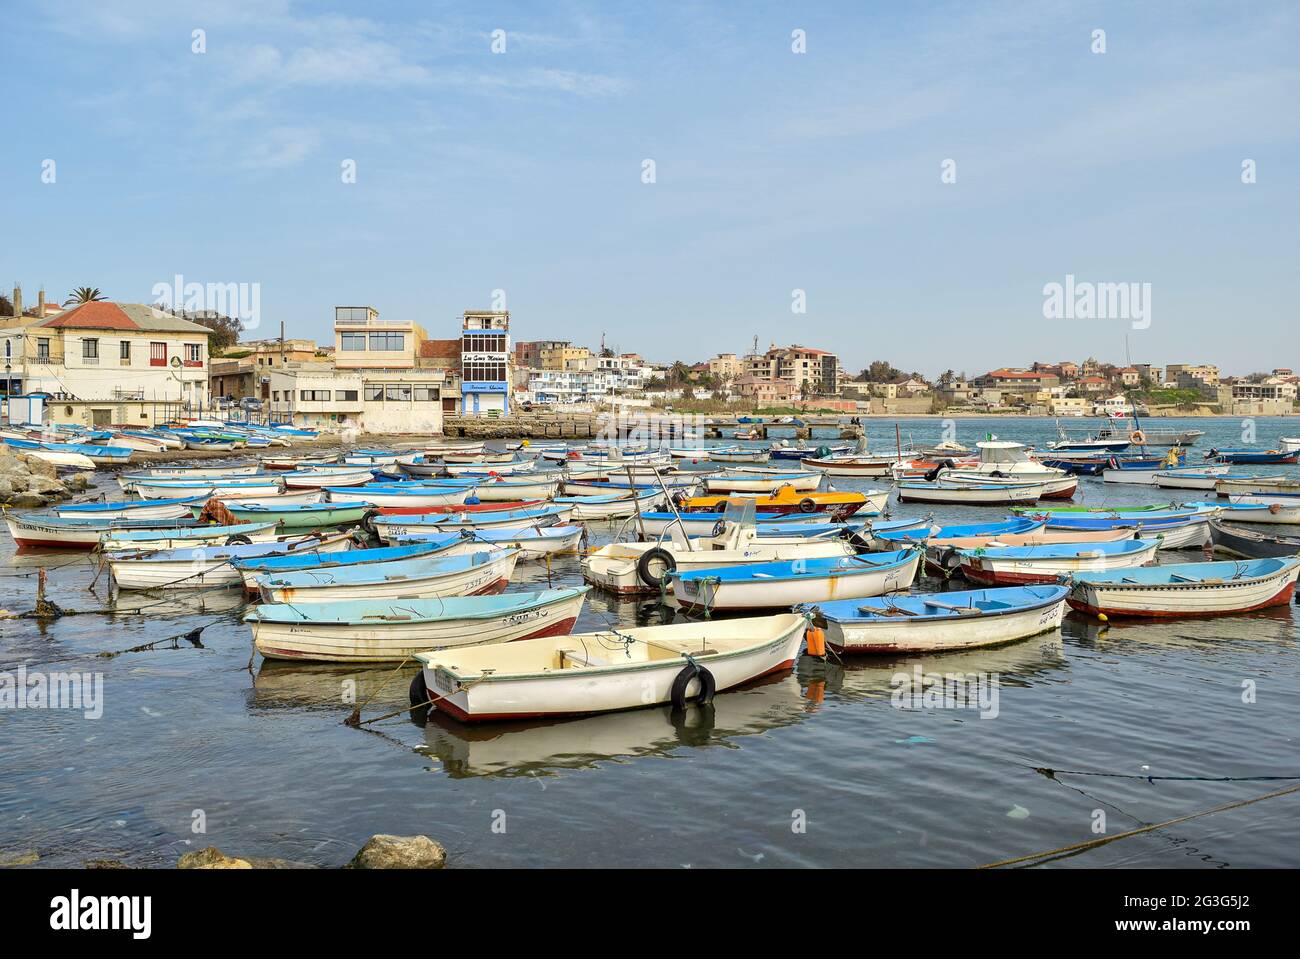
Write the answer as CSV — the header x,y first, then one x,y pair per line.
x,y
442,679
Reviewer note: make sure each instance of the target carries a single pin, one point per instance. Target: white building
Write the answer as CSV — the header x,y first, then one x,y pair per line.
x,y
108,353
321,396
485,361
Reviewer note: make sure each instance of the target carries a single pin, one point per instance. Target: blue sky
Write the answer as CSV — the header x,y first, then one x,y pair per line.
x,y
775,171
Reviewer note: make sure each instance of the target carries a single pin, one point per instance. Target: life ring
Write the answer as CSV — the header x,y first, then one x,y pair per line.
x,y
419,692
647,558
807,505
1138,438
708,686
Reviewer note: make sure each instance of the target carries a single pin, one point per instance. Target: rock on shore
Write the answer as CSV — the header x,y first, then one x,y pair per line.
x,y
399,852
30,482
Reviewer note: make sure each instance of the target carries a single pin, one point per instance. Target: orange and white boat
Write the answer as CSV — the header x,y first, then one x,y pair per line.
x,y
787,500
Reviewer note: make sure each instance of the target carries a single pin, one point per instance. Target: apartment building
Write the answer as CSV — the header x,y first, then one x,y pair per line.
x,y
1191,376
486,362
1007,380
801,368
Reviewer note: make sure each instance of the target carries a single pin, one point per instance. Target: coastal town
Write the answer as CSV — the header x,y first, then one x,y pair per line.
x,y
395,376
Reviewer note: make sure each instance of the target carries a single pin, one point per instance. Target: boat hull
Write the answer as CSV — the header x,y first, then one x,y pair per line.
x,y
489,577
1184,599
938,636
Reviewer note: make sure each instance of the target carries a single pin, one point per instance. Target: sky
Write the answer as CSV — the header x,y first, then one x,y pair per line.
x,y
825,171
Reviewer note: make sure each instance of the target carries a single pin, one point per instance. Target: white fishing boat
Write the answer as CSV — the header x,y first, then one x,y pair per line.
x,y
699,453
1187,589
378,631
1289,444
131,509
431,450
196,567
61,458
1280,508
632,568
136,540
606,671
1201,478
851,465
532,544
611,505
1021,565
383,495
391,529
485,572
782,585
942,622
1148,477
739,456
1002,458
735,481
493,469
232,488
1050,488
320,477
988,494
502,490
370,458
1230,484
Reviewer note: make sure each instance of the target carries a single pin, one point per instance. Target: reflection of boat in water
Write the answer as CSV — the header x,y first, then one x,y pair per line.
x,y
288,685
161,604
1017,664
529,748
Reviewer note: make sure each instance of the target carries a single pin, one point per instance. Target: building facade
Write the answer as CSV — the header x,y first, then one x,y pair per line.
x,y
486,362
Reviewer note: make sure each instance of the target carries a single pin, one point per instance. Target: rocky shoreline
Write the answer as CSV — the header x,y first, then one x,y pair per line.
x,y
29,482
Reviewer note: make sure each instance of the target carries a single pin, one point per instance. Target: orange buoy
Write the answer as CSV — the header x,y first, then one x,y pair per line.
x,y
815,641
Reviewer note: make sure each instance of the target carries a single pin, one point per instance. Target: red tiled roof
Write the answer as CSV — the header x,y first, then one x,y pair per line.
x,y
103,315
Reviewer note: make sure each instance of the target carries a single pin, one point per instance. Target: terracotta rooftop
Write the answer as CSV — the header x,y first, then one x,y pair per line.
x,y
107,315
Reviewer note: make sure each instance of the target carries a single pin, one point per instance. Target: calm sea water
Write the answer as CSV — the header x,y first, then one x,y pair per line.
x,y
814,768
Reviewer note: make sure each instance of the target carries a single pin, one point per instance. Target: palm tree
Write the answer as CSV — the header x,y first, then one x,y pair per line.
x,y
84,294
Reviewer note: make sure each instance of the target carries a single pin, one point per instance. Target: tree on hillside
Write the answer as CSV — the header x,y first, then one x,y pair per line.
x,y
6,308
880,371
84,294
225,332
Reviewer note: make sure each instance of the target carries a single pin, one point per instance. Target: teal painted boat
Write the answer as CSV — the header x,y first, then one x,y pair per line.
x,y
301,515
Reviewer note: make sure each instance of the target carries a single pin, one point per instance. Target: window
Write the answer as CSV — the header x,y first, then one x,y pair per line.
x,y
390,342
374,394
43,349
124,352
398,394
275,395
157,354
193,354
90,351
314,396
353,342
426,394
345,396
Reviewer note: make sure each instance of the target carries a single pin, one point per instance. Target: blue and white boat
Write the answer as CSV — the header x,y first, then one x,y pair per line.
x,y
942,622
1187,589
422,578
920,534
531,543
250,568
194,567
1022,565
781,585
174,508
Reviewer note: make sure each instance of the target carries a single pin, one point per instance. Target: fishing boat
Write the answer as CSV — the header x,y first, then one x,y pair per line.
x,y
699,453
1229,538
392,528
780,451
738,482
610,505
321,477
1077,464
1020,565
392,494
739,456
501,489
606,671
1063,487
117,540
421,578
300,515
506,456
65,459
652,524
195,567
1000,459
134,509
942,622
1142,436
1192,477
591,487
231,488
1144,473
250,568
1187,589
370,458
438,450
969,494
631,568
1279,508
34,530
1244,457
293,463
1289,444
840,505
367,631
1229,484
925,533
531,543
850,465
494,469
784,584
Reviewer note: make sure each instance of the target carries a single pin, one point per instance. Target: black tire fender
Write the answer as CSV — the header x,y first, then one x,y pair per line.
x,y
708,686
807,505
419,692
650,556
238,539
